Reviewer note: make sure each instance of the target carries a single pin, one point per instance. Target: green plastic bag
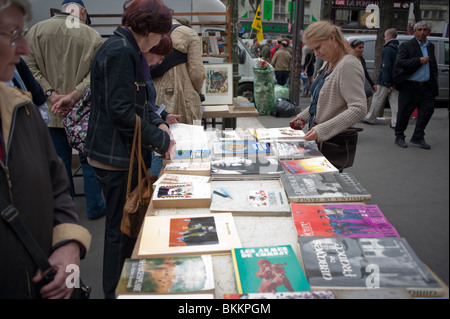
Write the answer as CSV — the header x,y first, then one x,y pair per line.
x,y
281,92
264,90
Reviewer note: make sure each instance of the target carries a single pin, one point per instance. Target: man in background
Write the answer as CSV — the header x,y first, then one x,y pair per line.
x,y
385,83
416,77
61,52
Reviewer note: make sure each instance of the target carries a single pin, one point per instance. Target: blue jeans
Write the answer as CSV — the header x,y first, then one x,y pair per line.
x,y
95,204
64,151
157,164
118,246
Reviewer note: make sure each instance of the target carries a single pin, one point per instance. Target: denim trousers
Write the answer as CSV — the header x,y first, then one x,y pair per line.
x,y
64,151
118,246
95,204
157,164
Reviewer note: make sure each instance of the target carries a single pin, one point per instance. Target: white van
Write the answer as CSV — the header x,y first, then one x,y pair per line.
x,y
441,51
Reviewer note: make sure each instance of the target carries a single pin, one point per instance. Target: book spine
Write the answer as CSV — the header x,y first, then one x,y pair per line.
x,y
236,271
330,199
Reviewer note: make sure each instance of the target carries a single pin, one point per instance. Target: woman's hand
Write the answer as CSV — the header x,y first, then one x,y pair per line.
x,y
297,124
311,135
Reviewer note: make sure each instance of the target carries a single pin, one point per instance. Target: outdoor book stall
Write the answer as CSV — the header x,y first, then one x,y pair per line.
x,y
241,218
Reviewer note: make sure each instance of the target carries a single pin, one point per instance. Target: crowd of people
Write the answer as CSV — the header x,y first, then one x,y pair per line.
x,y
150,60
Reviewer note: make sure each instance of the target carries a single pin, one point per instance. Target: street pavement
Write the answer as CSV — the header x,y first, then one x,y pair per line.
x,y
410,186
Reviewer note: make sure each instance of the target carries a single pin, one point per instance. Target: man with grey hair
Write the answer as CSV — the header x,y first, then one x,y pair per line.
x,y
385,83
416,77
61,52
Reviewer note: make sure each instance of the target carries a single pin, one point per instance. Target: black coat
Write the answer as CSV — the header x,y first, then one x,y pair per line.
x,y
408,62
387,63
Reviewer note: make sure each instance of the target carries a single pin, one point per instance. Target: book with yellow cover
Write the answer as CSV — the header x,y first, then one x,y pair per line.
x,y
176,235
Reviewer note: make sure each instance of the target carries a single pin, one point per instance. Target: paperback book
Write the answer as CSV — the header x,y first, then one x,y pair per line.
x,y
366,263
171,275
250,167
268,269
265,197
180,179
177,235
291,150
240,148
318,164
330,187
193,168
238,134
341,220
277,133
183,195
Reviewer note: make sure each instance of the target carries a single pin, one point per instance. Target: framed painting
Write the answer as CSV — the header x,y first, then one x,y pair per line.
x,y
218,84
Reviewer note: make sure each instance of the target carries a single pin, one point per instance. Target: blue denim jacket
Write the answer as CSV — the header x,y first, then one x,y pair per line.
x,y
119,91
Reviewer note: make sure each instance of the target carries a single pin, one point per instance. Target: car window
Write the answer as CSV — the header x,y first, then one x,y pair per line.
x,y
369,50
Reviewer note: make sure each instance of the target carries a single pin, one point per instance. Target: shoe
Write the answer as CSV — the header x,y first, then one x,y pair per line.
x,y
400,141
366,122
421,142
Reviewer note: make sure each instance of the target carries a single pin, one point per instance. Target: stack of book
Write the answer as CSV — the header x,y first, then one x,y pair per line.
x,y
340,247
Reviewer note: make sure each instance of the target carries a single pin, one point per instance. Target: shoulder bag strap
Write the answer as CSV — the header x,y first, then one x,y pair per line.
x,y
11,216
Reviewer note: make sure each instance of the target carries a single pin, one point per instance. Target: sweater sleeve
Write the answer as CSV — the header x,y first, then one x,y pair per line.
x,y
346,103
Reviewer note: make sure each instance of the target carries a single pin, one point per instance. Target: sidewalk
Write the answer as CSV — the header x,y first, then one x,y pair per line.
x,y
410,186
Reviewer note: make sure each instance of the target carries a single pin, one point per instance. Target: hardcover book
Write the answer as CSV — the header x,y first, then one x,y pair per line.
x,y
250,167
330,187
344,220
249,197
240,148
194,168
291,150
366,263
183,195
318,164
177,235
269,269
171,275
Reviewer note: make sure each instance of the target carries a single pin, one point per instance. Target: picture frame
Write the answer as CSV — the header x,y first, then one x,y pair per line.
x,y
218,85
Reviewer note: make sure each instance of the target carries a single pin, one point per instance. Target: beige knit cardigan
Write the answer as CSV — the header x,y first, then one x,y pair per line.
x,y
342,102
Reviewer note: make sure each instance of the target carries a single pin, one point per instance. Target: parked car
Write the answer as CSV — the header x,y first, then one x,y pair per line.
x,y
441,50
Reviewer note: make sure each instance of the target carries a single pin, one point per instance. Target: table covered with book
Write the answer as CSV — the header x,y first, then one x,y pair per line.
x,y
261,213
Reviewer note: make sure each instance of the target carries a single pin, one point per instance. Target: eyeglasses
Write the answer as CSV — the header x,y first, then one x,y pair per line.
x,y
13,36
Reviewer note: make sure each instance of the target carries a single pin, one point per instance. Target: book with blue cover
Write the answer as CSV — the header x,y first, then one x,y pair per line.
x,y
240,147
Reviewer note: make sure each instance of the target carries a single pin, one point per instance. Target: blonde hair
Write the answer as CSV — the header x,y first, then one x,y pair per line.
x,y
322,30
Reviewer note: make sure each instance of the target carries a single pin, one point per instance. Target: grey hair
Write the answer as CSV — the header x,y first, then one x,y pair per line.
x,y
422,23
24,5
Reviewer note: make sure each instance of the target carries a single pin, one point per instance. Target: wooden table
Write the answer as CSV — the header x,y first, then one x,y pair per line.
x,y
229,117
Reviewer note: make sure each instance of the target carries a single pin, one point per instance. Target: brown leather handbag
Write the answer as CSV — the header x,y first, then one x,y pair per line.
x,y
137,201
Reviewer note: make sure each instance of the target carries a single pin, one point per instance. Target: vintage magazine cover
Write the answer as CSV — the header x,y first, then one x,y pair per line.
x,y
171,275
366,263
318,164
341,220
249,197
268,269
176,235
330,187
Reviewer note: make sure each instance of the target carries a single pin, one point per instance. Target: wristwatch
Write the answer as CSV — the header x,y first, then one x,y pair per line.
x,y
48,93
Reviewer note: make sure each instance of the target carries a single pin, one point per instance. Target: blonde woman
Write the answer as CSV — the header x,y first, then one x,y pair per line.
x,y
338,100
